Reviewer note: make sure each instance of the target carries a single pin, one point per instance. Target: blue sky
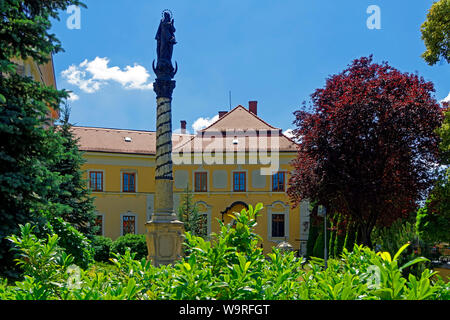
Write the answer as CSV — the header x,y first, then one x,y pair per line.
x,y
275,52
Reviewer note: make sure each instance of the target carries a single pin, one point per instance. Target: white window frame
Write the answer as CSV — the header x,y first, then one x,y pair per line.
x,y
270,213
89,179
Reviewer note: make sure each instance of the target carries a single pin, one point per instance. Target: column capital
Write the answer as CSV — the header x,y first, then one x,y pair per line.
x,y
164,88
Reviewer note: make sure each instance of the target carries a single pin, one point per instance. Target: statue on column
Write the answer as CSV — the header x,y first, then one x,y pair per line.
x,y
165,37
164,232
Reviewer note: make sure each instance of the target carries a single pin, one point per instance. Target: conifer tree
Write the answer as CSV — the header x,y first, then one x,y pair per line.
x,y
194,221
29,146
74,196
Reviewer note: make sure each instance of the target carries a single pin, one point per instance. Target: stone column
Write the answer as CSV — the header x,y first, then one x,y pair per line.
x,y
164,232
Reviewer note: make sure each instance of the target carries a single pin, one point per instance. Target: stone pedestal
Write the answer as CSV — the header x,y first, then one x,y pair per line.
x,y
164,241
165,234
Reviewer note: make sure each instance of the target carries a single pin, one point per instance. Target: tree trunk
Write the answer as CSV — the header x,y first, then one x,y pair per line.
x,y
364,232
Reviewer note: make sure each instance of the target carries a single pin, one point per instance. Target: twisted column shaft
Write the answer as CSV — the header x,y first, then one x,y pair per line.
x,y
164,170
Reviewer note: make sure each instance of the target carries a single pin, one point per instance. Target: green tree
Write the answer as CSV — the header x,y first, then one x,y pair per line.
x,y
77,204
339,238
319,246
312,237
29,146
436,33
194,221
433,219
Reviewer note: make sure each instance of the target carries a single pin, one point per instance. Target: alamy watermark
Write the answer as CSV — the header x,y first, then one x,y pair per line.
x,y
74,20
232,146
374,277
374,20
74,279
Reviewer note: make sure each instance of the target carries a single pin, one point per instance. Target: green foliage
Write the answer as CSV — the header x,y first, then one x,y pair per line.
x,y
391,239
231,266
444,134
27,152
75,201
433,219
26,29
135,242
312,237
194,221
29,146
350,237
43,262
393,286
331,239
319,246
102,248
71,240
338,245
436,33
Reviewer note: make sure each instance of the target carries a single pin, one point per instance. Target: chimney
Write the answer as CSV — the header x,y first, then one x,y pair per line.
x,y
253,107
222,113
183,126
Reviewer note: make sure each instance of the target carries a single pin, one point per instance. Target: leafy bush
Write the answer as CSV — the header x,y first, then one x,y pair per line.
x,y
230,266
319,246
136,242
73,241
392,238
102,248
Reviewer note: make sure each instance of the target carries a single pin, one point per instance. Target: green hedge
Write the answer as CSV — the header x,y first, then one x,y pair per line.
x,y
136,242
102,248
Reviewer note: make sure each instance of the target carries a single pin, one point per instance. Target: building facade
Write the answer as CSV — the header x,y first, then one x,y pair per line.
x,y
239,160
43,73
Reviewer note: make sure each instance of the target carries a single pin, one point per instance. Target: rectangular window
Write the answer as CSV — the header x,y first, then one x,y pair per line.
x,y
278,181
239,181
128,225
277,225
201,182
129,182
99,224
96,180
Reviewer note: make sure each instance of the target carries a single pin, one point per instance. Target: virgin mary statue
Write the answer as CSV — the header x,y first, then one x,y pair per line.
x,y
165,37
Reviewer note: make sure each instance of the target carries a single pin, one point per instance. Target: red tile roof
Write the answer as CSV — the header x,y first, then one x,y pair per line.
x,y
247,129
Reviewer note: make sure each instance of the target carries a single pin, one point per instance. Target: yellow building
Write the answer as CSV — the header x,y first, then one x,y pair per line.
x,y
239,160
44,74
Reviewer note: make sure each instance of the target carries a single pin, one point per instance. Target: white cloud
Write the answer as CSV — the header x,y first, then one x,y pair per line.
x,y
202,123
90,76
73,97
446,99
75,76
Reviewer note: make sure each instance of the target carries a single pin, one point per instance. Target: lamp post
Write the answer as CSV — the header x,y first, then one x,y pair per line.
x,y
323,211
